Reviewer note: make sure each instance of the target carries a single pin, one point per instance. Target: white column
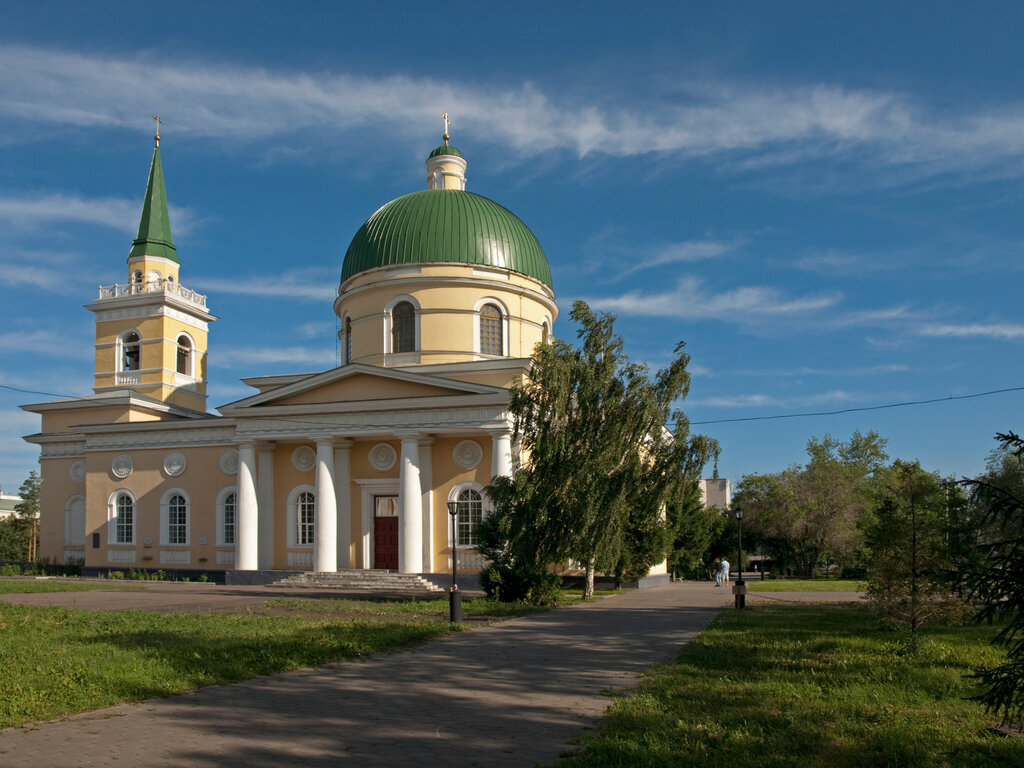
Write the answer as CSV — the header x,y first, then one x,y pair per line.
x,y
501,454
426,486
343,494
265,502
246,554
325,519
410,507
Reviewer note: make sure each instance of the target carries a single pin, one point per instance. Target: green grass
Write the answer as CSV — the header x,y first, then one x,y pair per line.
x,y
18,587
805,585
807,687
56,662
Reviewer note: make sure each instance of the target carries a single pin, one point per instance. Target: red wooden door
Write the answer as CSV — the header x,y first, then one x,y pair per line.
x,y
385,532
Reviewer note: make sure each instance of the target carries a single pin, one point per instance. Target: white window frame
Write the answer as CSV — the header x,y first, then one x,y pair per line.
x,y
222,498
388,337
191,372
293,516
453,495
112,517
121,350
503,310
165,519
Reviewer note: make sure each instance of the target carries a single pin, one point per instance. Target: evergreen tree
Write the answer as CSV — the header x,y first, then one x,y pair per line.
x,y
27,516
998,581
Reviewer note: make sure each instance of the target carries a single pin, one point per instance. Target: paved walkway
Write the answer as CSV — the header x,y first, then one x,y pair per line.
x,y
511,694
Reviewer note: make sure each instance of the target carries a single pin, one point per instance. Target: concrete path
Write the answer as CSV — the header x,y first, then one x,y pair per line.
x,y
511,694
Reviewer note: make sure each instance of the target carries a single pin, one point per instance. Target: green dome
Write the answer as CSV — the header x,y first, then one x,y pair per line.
x,y
445,149
444,226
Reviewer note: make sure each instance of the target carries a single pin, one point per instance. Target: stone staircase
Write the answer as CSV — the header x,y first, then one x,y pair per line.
x,y
362,581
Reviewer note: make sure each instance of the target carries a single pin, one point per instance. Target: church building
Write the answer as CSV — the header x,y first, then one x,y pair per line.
x,y
443,297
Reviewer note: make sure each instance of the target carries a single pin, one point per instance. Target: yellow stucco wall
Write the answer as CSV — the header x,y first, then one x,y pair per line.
x,y
448,297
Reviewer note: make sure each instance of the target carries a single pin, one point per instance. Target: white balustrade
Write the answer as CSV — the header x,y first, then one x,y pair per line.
x,y
74,556
120,555
225,557
175,557
168,287
302,559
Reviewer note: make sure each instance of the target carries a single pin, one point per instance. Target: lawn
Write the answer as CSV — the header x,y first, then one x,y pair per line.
x,y
20,586
807,687
56,662
805,585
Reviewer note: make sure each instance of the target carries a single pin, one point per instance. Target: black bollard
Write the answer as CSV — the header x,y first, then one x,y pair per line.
x,y
455,606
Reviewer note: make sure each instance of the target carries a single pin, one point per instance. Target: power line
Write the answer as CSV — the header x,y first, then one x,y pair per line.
x,y
808,414
862,408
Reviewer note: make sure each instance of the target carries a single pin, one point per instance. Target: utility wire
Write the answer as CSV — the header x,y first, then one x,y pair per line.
x,y
907,403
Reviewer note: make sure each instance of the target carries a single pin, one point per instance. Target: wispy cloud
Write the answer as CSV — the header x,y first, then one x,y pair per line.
x,y
870,370
241,356
686,252
758,400
36,269
311,284
691,300
974,330
33,210
752,122
45,342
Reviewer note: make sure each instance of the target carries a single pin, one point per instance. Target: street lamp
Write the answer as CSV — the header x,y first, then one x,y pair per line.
x,y
454,597
740,588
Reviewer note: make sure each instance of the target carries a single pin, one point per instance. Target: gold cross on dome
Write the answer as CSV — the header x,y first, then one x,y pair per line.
x,y
447,122
159,122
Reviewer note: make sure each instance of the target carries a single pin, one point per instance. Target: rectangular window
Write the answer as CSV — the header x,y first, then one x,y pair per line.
x,y
229,519
124,529
306,508
177,521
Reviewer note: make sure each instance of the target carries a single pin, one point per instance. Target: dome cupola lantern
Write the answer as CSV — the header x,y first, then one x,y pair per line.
x,y
446,166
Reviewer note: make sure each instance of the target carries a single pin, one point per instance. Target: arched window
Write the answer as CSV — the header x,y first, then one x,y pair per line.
x,y
121,518
403,327
177,520
470,514
305,506
227,507
130,351
545,333
184,355
490,330
348,340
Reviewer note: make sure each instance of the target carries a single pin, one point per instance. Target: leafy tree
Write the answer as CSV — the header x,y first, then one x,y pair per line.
x,y
998,582
913,535
807,516
601,465
11,545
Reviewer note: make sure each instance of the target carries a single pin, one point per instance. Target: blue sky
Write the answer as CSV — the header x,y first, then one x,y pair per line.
x,y
823,201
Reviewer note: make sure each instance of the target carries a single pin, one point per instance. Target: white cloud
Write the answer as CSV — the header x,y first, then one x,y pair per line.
x,y
751,122
871,370
30,211
975,330
690,300
239,356
307,284
686,252
834,397
44,342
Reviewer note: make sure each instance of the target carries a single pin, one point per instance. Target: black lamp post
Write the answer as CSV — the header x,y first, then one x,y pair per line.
x,y
454,596
740,588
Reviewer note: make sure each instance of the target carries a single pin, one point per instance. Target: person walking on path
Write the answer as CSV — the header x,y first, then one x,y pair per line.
x,y
718,571
725,570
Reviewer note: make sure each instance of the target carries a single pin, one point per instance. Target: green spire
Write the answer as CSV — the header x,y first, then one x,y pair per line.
x,y
155,227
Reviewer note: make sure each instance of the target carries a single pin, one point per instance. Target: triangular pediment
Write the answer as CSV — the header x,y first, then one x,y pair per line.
x,y
361,384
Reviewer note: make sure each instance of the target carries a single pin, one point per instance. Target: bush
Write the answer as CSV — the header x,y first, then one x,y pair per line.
x,y
510,586
10,570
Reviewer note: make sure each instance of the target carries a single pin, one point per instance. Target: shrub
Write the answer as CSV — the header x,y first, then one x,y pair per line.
x,y
510,586
10,570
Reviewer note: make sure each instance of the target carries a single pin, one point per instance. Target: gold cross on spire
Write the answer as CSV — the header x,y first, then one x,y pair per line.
x,y
444,116
159,122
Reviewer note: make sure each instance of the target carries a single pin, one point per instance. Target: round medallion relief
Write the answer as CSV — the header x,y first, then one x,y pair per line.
x,y
77,471
468,454
229,462
174,463
122,465
304,458
383,457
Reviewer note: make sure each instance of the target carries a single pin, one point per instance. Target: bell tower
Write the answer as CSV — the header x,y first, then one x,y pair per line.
x,y
151,331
